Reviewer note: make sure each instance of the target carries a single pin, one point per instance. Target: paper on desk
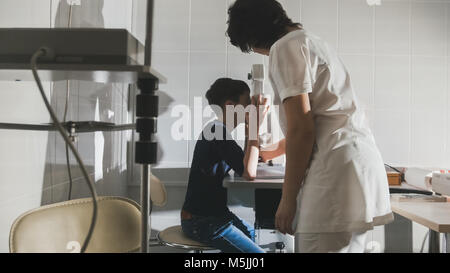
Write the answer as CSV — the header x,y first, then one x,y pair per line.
x,y
419,177
273,172
411,197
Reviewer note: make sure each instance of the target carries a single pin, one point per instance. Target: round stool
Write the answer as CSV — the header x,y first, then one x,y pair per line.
x,y
174,237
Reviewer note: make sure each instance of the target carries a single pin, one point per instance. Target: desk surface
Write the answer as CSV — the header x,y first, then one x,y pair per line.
x,y
239,182
434,215
233,181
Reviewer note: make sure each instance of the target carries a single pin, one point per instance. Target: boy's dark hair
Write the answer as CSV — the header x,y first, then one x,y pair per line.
x,y
257,23
225,89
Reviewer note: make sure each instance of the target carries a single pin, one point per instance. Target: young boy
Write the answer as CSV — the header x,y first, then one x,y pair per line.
x,y
205,216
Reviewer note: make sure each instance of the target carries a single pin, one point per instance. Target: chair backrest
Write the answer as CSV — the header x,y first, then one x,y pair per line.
x,y
158,193
62,227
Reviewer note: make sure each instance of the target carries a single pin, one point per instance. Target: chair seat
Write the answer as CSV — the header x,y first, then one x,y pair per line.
x,y
174,237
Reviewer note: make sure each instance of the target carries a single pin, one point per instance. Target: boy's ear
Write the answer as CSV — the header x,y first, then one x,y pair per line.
x,y
228,102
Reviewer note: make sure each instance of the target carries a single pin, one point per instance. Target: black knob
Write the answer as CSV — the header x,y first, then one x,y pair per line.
x,y
279,245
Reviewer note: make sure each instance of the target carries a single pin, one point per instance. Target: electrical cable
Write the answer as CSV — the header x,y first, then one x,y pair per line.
x,y
69,171
70,15
40,53
392,168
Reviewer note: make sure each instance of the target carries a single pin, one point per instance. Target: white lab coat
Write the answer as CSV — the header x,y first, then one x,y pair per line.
x,y
346,187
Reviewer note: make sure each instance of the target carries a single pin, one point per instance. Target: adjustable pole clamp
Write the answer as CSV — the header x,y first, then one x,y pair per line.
x,y
146,121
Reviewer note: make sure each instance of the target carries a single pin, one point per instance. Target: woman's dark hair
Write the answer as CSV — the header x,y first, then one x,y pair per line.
x,y
257,23
225,89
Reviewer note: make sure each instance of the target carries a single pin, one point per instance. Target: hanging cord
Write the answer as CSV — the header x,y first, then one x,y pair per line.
x,y
70,15
69,171
423,242
40,53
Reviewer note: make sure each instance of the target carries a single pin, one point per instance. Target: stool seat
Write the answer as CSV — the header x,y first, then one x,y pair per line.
x,y
174,237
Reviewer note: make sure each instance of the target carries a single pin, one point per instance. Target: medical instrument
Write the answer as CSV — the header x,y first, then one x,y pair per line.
x,y
257,76
74,46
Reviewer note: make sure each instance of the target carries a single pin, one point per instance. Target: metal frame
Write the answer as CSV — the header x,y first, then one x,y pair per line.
x,y
434,245
149,33
446,242
433,241
146,172
145,211
71,126
184,247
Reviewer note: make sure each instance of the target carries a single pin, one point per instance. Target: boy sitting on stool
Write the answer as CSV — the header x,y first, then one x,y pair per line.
x,y
205,216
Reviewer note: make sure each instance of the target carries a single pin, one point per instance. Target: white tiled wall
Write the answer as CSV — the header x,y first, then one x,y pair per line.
x,y
397,54
325,26
392,28
429,28
356,31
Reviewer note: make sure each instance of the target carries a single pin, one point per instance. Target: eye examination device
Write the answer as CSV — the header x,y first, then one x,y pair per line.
x,y
257,76
71,46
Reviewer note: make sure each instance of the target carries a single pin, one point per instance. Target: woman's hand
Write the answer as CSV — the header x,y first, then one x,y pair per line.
x,y
300,139
285,216
264,156
272,151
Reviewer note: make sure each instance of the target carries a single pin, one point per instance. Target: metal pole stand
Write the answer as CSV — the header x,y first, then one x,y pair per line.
x,y
146,147
446,243
433,243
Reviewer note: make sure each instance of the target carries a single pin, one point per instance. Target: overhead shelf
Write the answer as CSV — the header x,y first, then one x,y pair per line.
x,y
104,73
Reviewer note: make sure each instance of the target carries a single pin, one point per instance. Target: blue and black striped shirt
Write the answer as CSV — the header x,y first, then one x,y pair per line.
x,y
215,154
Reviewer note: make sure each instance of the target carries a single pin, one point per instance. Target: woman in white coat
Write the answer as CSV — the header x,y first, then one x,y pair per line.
x,y
335,187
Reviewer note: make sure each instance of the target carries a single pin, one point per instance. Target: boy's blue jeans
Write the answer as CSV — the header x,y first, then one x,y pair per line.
x,y
229,234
